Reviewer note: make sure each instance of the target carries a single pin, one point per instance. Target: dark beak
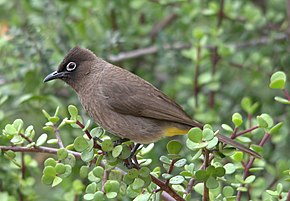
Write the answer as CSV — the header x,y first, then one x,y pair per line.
x,y
54,75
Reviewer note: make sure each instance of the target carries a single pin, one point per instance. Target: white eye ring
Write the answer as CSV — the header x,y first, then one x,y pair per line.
x,y
71,66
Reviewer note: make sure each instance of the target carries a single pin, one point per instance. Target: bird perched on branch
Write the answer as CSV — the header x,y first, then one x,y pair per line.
x,y
123,103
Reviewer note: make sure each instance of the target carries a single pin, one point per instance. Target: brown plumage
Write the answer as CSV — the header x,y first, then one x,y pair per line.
x,y
123,103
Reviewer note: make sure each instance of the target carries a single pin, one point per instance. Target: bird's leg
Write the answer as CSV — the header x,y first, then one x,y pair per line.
x,y
134,150
120,141
97,139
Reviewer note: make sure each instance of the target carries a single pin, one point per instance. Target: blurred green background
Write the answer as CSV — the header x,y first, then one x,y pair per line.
x,y
204,59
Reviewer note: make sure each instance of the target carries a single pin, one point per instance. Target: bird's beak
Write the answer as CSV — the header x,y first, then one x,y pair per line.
x,y
54,75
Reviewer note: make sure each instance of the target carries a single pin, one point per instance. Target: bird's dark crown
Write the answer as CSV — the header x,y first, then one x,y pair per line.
x,y
77,55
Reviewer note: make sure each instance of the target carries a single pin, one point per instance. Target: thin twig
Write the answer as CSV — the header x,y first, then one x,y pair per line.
x,y
245,131
286,94
26,138
40,149
56,132
179,45
250,163
170,170
196,74
88,134
206,163
166,188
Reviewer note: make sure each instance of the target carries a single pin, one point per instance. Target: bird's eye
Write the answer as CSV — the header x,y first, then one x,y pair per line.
x,y
71,66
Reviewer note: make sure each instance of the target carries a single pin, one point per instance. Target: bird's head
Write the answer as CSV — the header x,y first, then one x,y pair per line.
x,y
75,67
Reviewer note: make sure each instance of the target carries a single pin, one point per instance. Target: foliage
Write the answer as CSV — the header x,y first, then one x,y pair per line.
x,y
215,58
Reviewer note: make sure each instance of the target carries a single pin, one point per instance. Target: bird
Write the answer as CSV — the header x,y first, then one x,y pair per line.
x,y
123,103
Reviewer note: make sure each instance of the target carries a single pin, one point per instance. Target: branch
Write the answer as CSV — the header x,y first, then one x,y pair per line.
x,y
166,188
178,46
167,195
162,25
250,163
40,149
59,141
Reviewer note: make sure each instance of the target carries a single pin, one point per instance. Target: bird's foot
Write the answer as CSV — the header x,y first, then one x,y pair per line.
x,y
120,141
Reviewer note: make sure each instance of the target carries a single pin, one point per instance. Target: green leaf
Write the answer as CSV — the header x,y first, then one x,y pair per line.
x,y
282,100
10,130
62,154
73,111
212,143
219,171
49,171
212,183
238,156
17,139
207,134
197,155
230,168
176,179
144,172
98,172
132,173
237,119
265,121
91,188
47,180
10,154
80,144
99,196
52,141
60,168
84,171
53,119
117,150
41,140
89,196
107,145
70,159
46,114
250,179
137,184
200,175
180,163
195,134
174,147
147,149
18,124
87,155
111,195
278,80
97,132
275,129
228,191
87,125
50,162
111,186
227,128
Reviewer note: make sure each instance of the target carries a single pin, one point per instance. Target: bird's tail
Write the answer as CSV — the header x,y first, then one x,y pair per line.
x,y
237,145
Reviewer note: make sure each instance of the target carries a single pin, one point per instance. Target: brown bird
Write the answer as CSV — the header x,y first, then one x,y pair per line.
x,y
123,103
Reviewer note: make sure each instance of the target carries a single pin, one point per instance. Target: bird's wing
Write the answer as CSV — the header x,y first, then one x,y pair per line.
x,y
134,96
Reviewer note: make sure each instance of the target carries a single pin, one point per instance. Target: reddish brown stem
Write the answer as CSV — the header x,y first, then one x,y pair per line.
x,y
166,188
206,163
26,138
286,94
246,131
250,163
88,134
170,170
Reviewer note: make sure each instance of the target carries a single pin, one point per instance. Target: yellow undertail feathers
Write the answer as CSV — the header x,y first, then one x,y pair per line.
x,y
171,131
